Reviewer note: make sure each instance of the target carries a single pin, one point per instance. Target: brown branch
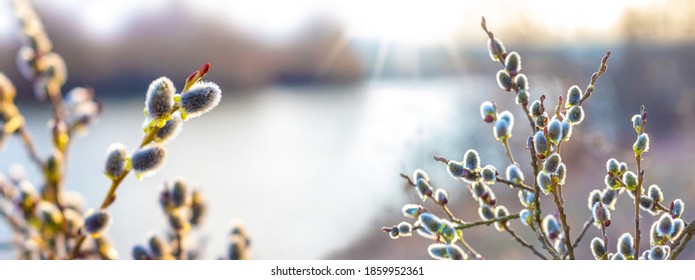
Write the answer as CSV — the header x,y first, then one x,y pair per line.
x,y
594,77
465,225
565,226
523,242
515,185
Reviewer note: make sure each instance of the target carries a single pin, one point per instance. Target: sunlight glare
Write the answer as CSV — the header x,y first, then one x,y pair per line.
x,y
402,22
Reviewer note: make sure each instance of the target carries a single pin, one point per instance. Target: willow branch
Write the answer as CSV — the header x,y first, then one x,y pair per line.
x,y
523,242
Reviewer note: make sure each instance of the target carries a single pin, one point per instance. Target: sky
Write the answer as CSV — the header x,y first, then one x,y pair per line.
x,y
415,22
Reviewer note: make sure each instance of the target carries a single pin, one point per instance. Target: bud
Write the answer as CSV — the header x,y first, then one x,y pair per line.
x,y
542,120
489,174
612,182
560,247
523,95
424,189
488,111
665,225
438,251
551,227
503,129
198,208
7,89
554,131
645,255
512,63
626,245
598,248
49,215
647,204
441,197
659,253
525,217
521,82
482,192
178,221
540,143
574,95
496,49
139,253
566,130
552,162
654,237
613,167
526,198
514,174
485,212
471,160
160,98
655,193
618,257
609,198
678,227
623,167
501,212
116,161
536,109
237,248
630,180
430,222
179,193
405,229
447,232
504,80
170,130
637,123
420,174
55,69
96,223
147,160
456,169
560,174
394,233
575,115
677,207
594,197
412,210
544,182
601,213
455,253
199,99
73,221
160,250
641,144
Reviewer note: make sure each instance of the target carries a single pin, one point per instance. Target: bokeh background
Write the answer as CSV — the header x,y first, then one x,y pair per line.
x,y
326,102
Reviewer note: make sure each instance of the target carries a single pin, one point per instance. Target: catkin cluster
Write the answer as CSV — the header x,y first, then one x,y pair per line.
x,y
550,129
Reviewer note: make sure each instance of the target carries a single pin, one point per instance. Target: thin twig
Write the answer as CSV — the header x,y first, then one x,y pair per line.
x,y
465,225
470,248
585,228
523,242
28,142
594,77
508,151
638,190
520,185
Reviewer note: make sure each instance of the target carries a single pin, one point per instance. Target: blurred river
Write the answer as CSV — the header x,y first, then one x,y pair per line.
x,y
306,169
